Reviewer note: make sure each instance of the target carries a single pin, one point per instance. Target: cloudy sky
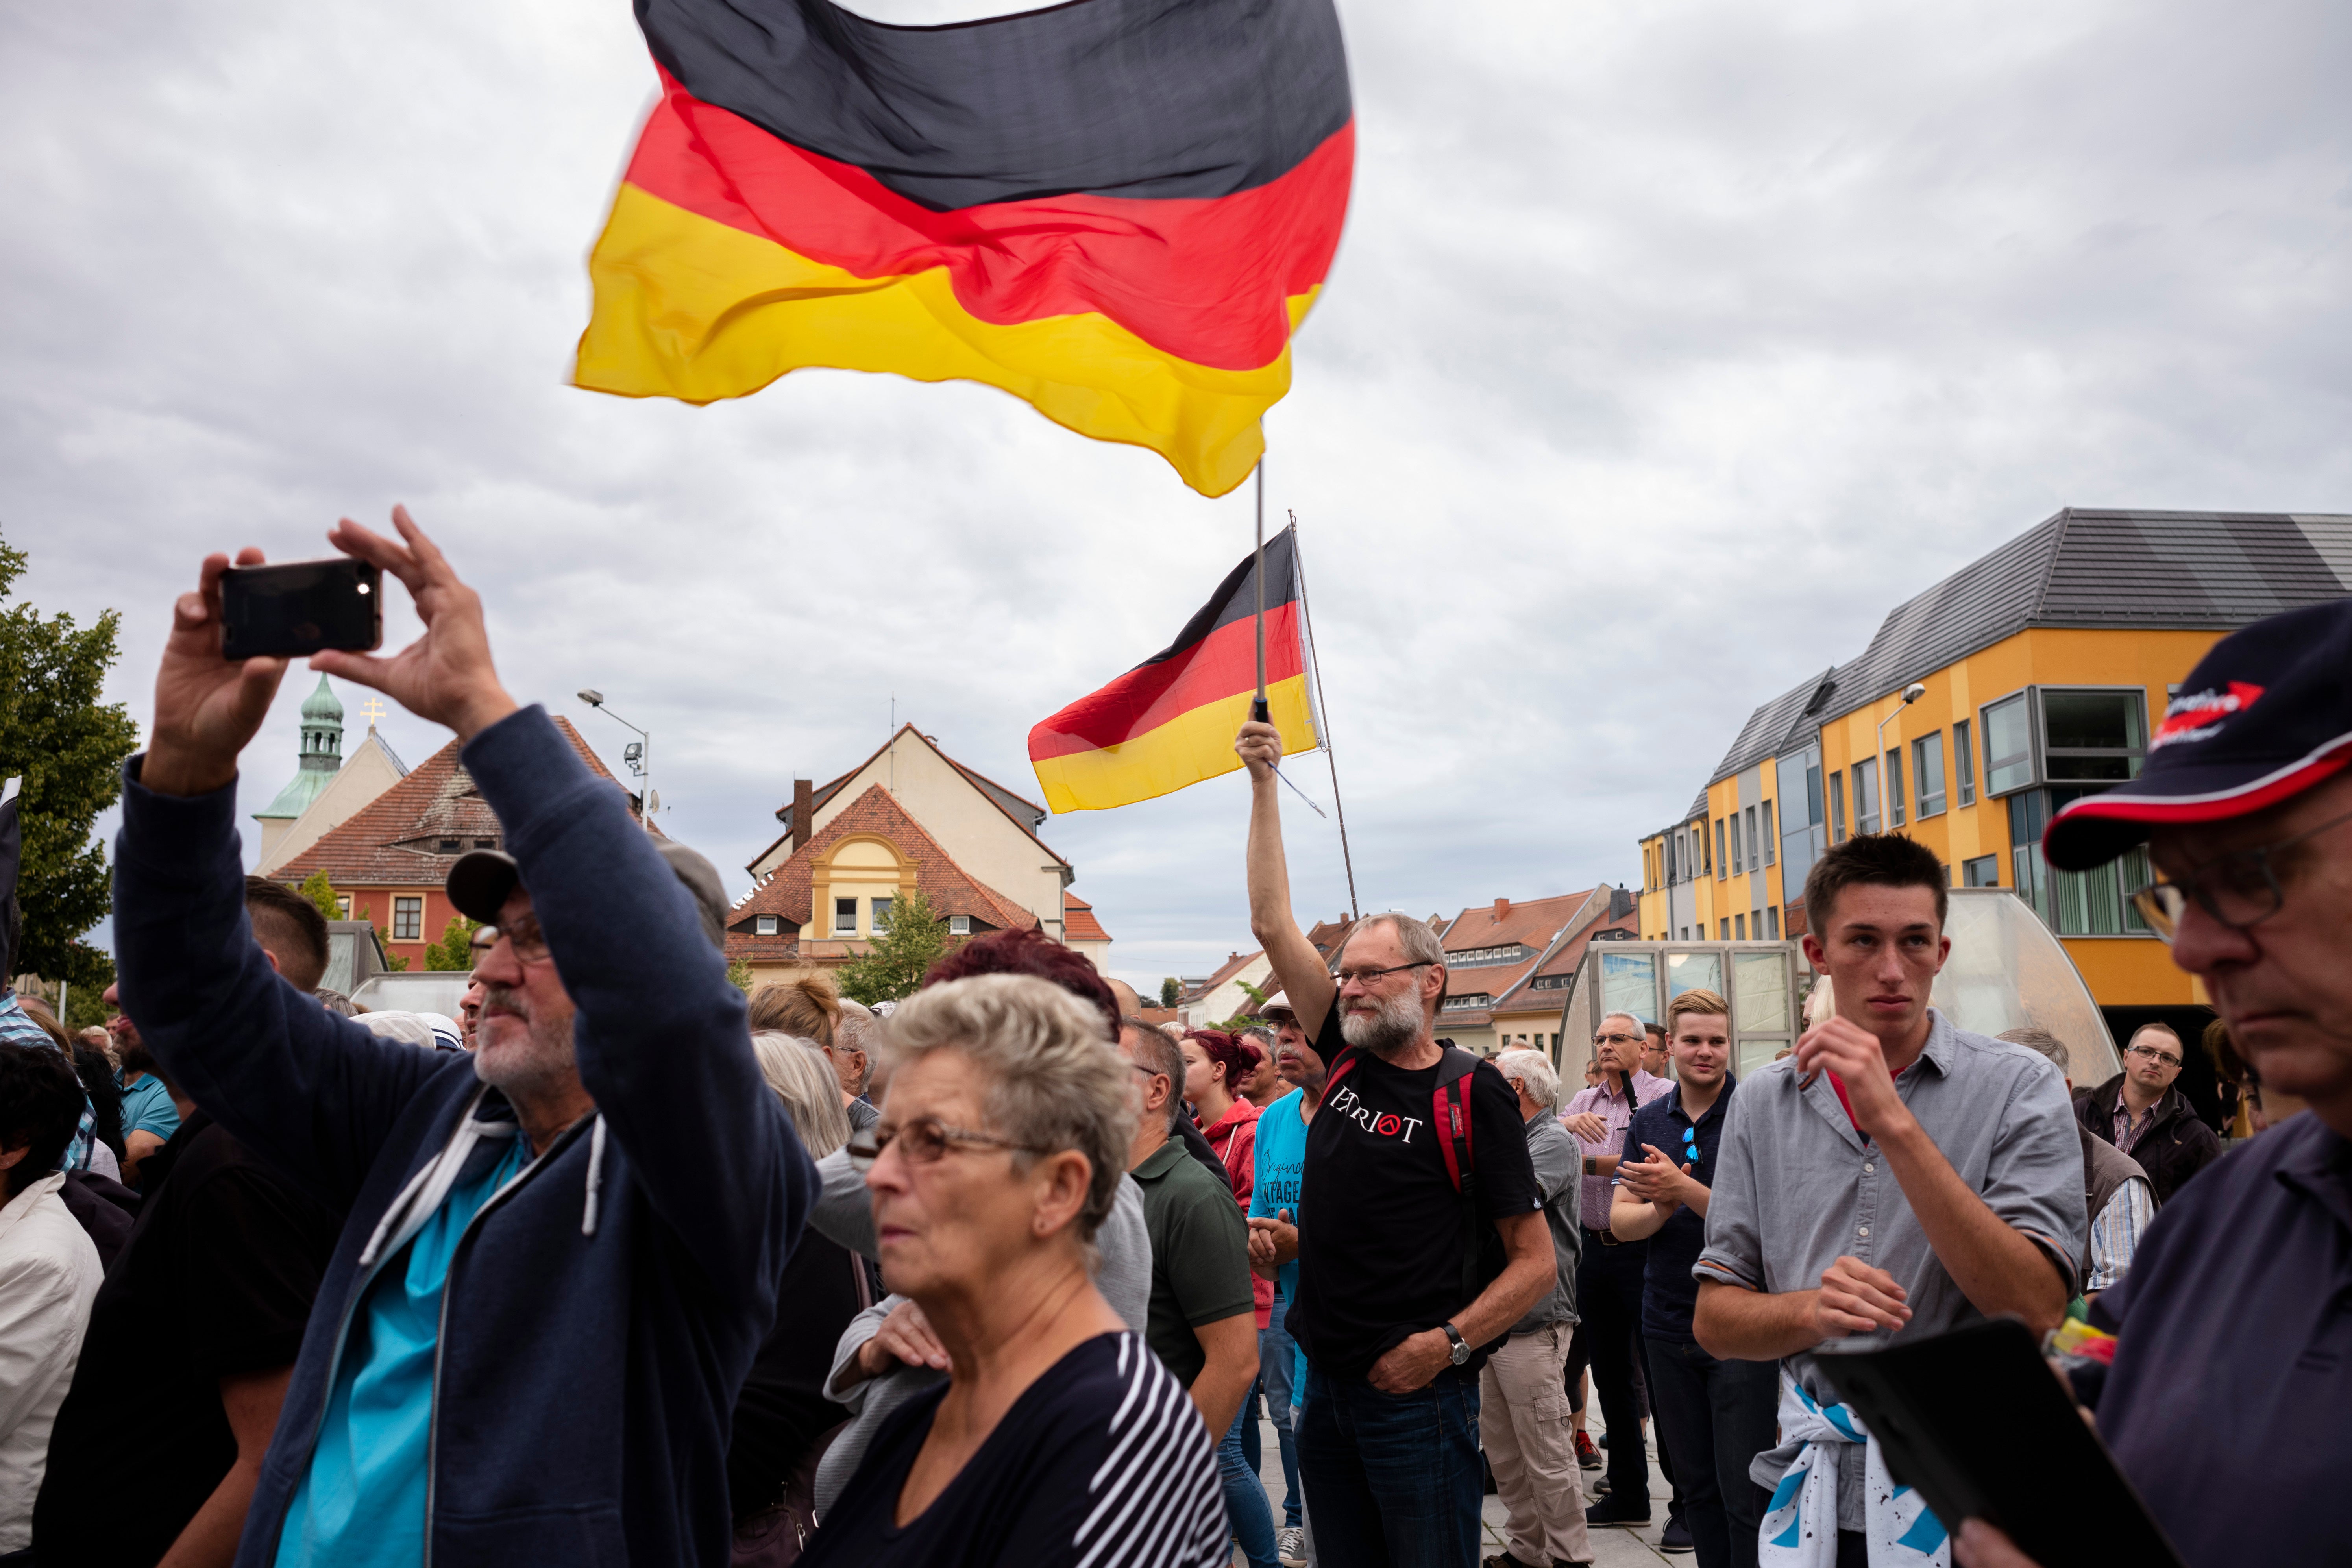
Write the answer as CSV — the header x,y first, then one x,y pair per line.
x,y
1668,347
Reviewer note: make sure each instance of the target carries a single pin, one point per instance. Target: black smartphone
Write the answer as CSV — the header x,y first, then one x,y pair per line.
x,y
301,607
1974,1419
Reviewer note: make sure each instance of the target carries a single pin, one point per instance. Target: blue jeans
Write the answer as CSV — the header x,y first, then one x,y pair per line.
x,y
1392,1479
1246,1506
1276,1353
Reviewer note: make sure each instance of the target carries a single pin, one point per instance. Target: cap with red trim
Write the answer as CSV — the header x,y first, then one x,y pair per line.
x,y
2266,714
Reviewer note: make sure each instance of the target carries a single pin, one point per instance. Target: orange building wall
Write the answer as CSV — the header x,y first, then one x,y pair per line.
x,y
374,903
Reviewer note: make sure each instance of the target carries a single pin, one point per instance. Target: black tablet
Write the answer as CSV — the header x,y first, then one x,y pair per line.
x,y
1975,1420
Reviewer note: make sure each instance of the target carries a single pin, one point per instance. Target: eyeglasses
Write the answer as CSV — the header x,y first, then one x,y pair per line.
x,y
524,935
2150,1054
2240,890
923,1140
1618,1039
1366,976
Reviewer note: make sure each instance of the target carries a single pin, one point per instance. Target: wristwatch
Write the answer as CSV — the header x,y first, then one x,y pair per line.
x,y
1461,1351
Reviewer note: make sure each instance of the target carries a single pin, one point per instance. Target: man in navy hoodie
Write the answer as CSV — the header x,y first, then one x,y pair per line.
x,y
562,1250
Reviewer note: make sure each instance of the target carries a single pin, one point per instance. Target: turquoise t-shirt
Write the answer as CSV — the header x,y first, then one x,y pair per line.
x,y
147,1107
362,1504
1280,1160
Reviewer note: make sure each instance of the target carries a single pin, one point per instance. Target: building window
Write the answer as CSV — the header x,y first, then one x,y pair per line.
x,y
1772,919
1726,934
1740,927
1928,773
763,925
1837,808
1964,761
1865,796
1895,788
2072,903
881,914
343,902
486,844
2092,736
1738,861
1698,846
1984,871
844,916
2009,746
451,846
959,925
1752,861
408,920
1770,857
1719,862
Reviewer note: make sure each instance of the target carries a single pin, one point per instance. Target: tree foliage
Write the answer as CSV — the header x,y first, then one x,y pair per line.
x,y
70,747
894,966
1247,1017
1171,991
319,888
456,949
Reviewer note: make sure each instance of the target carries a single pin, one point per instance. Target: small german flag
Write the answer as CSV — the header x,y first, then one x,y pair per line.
x,y
1117,210
1171,720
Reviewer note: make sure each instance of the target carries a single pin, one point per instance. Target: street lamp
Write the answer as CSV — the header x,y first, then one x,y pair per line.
x,y
1911,693
638,753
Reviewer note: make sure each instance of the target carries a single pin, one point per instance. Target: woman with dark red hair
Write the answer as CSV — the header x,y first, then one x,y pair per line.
x,y
1215,1066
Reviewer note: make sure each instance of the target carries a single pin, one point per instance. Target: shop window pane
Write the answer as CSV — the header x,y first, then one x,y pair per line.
x,y
1694,972
1761,1001
1629,984
1928,773
2009,746
1964,761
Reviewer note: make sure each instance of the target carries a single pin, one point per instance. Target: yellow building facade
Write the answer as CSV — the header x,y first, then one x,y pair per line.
x,y
2026,679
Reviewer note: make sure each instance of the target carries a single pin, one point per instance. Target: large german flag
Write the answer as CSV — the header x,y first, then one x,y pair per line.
x,y
1171,720
1117,210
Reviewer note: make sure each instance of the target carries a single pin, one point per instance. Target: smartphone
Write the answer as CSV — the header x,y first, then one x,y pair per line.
x,y
301,607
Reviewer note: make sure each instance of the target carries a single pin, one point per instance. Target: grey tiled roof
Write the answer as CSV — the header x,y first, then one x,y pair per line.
x,y
1766,728
2087,567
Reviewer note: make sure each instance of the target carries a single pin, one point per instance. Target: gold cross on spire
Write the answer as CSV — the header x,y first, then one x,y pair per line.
x,y
371,709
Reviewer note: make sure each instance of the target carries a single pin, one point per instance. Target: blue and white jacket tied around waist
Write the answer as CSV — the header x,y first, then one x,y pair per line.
x,y
1800,1527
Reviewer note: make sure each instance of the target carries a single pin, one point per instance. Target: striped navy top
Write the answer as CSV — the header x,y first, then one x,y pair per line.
x,y
1101,1463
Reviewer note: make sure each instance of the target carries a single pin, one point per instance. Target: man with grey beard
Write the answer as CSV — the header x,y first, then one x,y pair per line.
x,y
1422,1237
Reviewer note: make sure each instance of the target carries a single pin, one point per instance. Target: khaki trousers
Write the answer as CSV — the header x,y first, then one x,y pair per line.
x,y
1523,1425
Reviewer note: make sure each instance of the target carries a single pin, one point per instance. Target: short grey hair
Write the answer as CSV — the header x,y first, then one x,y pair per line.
x,y
1054,1083
1420,943
1158,1053
2048,1043
795,1068
1633,1018
1534,1071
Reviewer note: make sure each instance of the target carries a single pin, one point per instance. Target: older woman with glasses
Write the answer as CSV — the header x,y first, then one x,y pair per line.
x,y
1058,1437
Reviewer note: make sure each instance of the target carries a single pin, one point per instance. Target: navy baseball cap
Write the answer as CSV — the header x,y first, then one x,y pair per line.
x,y
2265,715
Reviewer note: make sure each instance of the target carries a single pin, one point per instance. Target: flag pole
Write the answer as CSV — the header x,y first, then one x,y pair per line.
x,y
1315,661
1258,709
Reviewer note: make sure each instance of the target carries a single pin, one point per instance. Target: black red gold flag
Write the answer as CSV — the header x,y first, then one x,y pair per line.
x,y
1117,210
1171,720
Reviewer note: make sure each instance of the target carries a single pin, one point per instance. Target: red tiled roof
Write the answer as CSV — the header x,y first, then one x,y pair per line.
x,y
1328,935
1078,922
787,894
1536,925
395,839
1232,966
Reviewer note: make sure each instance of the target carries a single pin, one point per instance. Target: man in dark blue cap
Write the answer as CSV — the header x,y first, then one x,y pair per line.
x,y
2226,1404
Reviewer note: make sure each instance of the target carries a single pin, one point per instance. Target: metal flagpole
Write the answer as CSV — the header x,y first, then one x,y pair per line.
x,y
1258,709
1315,659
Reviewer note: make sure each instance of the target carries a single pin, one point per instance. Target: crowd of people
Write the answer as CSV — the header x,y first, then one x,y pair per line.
x,y
624,1266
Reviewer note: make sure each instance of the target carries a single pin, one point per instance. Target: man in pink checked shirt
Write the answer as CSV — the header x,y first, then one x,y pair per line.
x,y
1608,1271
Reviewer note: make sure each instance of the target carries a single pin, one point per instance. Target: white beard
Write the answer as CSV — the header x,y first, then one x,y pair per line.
x,y
1396,1025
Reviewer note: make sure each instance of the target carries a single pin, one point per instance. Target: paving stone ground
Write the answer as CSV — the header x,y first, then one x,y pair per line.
x,y
1611,1548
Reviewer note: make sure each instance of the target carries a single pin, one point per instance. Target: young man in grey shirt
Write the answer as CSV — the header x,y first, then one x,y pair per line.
x,y
1895,1177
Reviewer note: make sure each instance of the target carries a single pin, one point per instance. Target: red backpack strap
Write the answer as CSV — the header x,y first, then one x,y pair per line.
x,y
1450,1113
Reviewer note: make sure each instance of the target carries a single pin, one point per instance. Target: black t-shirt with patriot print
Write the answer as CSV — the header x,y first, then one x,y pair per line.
x,y
1380,1232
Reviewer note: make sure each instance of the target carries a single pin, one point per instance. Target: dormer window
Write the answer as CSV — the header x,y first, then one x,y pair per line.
x,y
486,844
452,845
764,925
959,925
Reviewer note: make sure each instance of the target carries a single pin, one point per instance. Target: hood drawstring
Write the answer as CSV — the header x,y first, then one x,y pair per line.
x,y
416,1202
595,1175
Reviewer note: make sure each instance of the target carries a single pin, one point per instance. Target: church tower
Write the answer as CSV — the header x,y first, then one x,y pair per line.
x,y
321,754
